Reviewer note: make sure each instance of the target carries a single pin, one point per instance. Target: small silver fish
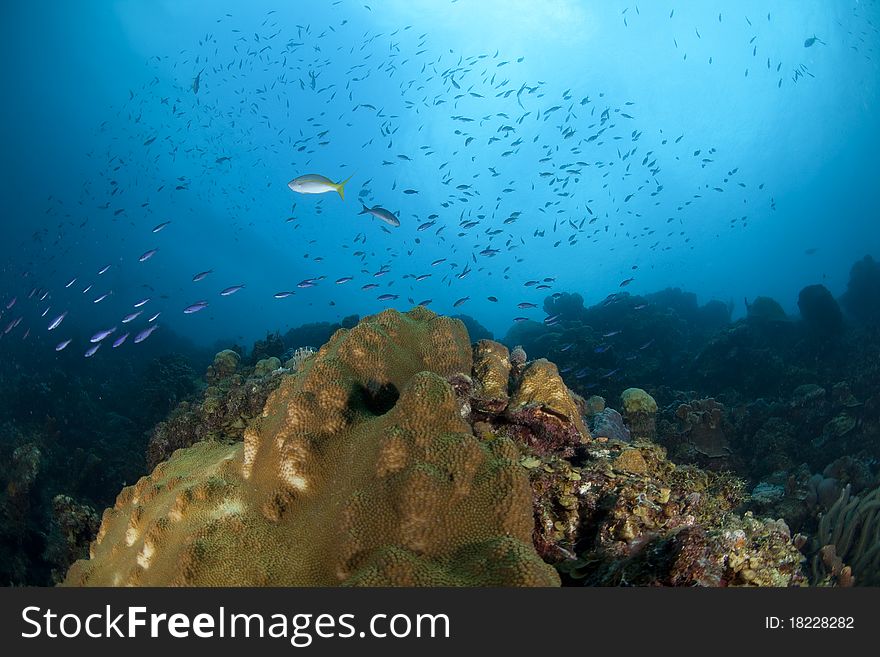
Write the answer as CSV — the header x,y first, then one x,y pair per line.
x,y
55,323
147,255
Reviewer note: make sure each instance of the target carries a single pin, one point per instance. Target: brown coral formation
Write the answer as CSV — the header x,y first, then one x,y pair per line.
x,y
492,370
547,410
640,413
701,433
361,471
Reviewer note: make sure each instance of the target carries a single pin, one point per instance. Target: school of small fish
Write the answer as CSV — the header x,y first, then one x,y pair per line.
x,y
597,175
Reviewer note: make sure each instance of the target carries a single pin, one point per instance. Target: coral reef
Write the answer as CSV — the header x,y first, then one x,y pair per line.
x,y
765,310
236,393
361,471
75,525
820,311
270,347
862,296
225,364
639,412
700,434
628,516
400,455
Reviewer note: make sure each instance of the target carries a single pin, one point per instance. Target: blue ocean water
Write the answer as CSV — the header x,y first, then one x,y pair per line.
x,y
691,144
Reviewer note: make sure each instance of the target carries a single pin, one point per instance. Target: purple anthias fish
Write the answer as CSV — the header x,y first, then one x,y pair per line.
x,y
196,307
102,297
91,351
118,341
147,255
61,345
57,321
202,275
309,282
283,295
131,317
153,318
161,226
142,302
230,290
143,335
344,279
387,297
100,335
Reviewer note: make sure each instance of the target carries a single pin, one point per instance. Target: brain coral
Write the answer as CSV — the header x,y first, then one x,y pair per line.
x,y
361,471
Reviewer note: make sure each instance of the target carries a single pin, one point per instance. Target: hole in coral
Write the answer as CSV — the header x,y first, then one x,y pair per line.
x,y
379,398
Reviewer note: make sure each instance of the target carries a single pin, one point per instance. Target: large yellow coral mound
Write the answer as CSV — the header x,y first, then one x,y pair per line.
x,y
361,471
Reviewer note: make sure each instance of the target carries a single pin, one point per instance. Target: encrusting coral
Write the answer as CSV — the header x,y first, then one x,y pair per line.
x,y
361,471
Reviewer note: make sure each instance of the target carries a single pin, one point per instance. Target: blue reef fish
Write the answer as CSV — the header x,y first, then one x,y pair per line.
x,y
143,335
230,290
195,307
100,335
